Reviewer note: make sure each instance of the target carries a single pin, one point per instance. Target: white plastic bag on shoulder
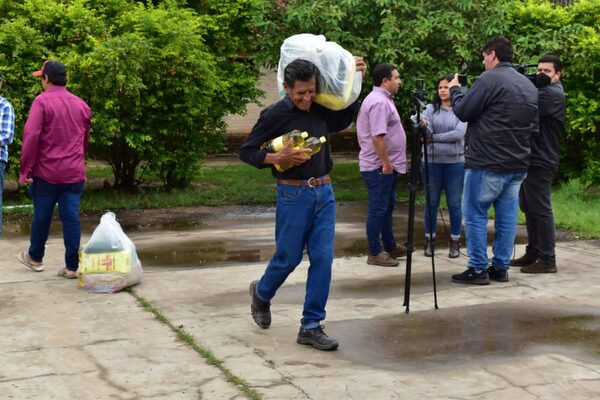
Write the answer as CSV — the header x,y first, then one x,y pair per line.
x,y
339,84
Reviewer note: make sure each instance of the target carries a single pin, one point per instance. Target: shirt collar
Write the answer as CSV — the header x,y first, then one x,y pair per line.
x,y
55,88
381,90
288,102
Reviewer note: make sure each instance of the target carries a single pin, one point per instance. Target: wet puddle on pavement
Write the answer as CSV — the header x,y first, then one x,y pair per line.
x,y
221,236
469,335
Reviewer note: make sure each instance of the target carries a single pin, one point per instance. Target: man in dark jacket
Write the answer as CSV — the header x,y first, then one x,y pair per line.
x,y
534,197
501,109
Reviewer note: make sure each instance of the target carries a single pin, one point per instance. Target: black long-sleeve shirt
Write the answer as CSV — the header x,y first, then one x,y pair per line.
x,y
282,117
545,145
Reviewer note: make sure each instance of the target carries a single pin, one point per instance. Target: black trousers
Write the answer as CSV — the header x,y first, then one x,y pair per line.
x,y
535,202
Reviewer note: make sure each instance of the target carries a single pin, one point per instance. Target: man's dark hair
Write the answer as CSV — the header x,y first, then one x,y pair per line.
x,y
502,47
382,71
299,70
437,101
551,58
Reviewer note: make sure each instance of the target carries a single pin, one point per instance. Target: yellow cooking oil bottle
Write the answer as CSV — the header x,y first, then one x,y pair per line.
x,y
313,144
274,145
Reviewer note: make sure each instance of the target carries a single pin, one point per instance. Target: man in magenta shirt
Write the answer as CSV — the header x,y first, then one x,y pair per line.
x,y
382,156
55,141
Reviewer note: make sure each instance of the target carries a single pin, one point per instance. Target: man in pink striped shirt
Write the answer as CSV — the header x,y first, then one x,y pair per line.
x,y
55,141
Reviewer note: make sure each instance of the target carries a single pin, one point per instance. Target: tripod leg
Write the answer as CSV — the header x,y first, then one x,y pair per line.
x,y
428,207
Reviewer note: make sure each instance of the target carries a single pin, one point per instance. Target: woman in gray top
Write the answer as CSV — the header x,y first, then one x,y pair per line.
x,y
445,144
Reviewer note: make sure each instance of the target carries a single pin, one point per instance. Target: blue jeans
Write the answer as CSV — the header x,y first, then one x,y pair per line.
x,y
482,189
2,169
449,178
45,195
305,218
382,200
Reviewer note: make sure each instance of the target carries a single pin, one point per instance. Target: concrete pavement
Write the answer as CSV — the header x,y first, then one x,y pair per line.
x,y
535,337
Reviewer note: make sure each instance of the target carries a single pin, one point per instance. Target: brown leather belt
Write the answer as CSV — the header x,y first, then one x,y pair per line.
x,y
311,182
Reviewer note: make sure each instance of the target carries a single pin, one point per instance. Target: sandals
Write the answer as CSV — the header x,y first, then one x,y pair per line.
x,y
67,273
24,259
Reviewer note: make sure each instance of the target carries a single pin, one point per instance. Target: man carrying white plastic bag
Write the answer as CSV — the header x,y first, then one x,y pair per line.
x,y
109,262
339,82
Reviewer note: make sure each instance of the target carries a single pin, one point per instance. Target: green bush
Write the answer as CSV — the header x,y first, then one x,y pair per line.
x,y
572,33
159,78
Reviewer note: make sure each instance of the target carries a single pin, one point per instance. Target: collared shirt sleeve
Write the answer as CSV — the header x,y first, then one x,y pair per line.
x,y
31,140
340,120
7,124
263,130
88,127
378,119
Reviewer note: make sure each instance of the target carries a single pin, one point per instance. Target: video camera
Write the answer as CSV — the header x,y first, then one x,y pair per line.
x,y
525,69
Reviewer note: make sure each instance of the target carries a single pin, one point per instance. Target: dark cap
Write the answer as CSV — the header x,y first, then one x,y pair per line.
x,y
54,70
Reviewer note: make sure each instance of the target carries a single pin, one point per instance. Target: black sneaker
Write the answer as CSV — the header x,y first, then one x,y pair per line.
x,y
261,311
472,277
317,339
497,274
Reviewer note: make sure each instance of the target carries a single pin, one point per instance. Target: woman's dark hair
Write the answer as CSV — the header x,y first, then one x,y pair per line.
x,y
436,101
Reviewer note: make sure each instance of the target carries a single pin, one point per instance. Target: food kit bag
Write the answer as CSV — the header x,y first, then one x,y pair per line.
x,y
339,84
109,263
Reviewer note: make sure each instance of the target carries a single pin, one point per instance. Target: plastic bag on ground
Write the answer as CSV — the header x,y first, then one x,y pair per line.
x,y
109,262
340,83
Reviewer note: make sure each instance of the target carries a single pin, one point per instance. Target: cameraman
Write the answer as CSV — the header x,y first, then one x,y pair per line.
x,y
501,109
534,196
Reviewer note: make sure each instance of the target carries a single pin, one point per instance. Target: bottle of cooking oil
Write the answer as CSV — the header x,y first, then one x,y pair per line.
x,y
313,143
274,145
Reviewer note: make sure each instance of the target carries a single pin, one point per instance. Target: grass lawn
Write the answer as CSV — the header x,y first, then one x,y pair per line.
x,y
575,207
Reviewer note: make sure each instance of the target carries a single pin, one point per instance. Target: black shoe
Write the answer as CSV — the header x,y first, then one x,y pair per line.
x,y
317,339
261,311
429,247
454,248
523,261
497,274
472,277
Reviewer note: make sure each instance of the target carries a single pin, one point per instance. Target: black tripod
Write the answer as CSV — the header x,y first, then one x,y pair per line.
x,y
420,136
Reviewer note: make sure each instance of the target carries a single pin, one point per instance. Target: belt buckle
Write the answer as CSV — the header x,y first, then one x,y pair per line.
x,y
312,182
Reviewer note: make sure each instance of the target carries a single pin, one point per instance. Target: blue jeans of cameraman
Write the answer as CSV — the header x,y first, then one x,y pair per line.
x,y
45,196
305,218
481,190
381,190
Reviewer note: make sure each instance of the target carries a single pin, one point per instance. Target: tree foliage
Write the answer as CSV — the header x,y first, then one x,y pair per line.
x,y
573,33
423,39
159,76
430,39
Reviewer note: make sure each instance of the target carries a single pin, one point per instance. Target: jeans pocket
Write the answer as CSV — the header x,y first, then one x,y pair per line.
x,y
288,194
